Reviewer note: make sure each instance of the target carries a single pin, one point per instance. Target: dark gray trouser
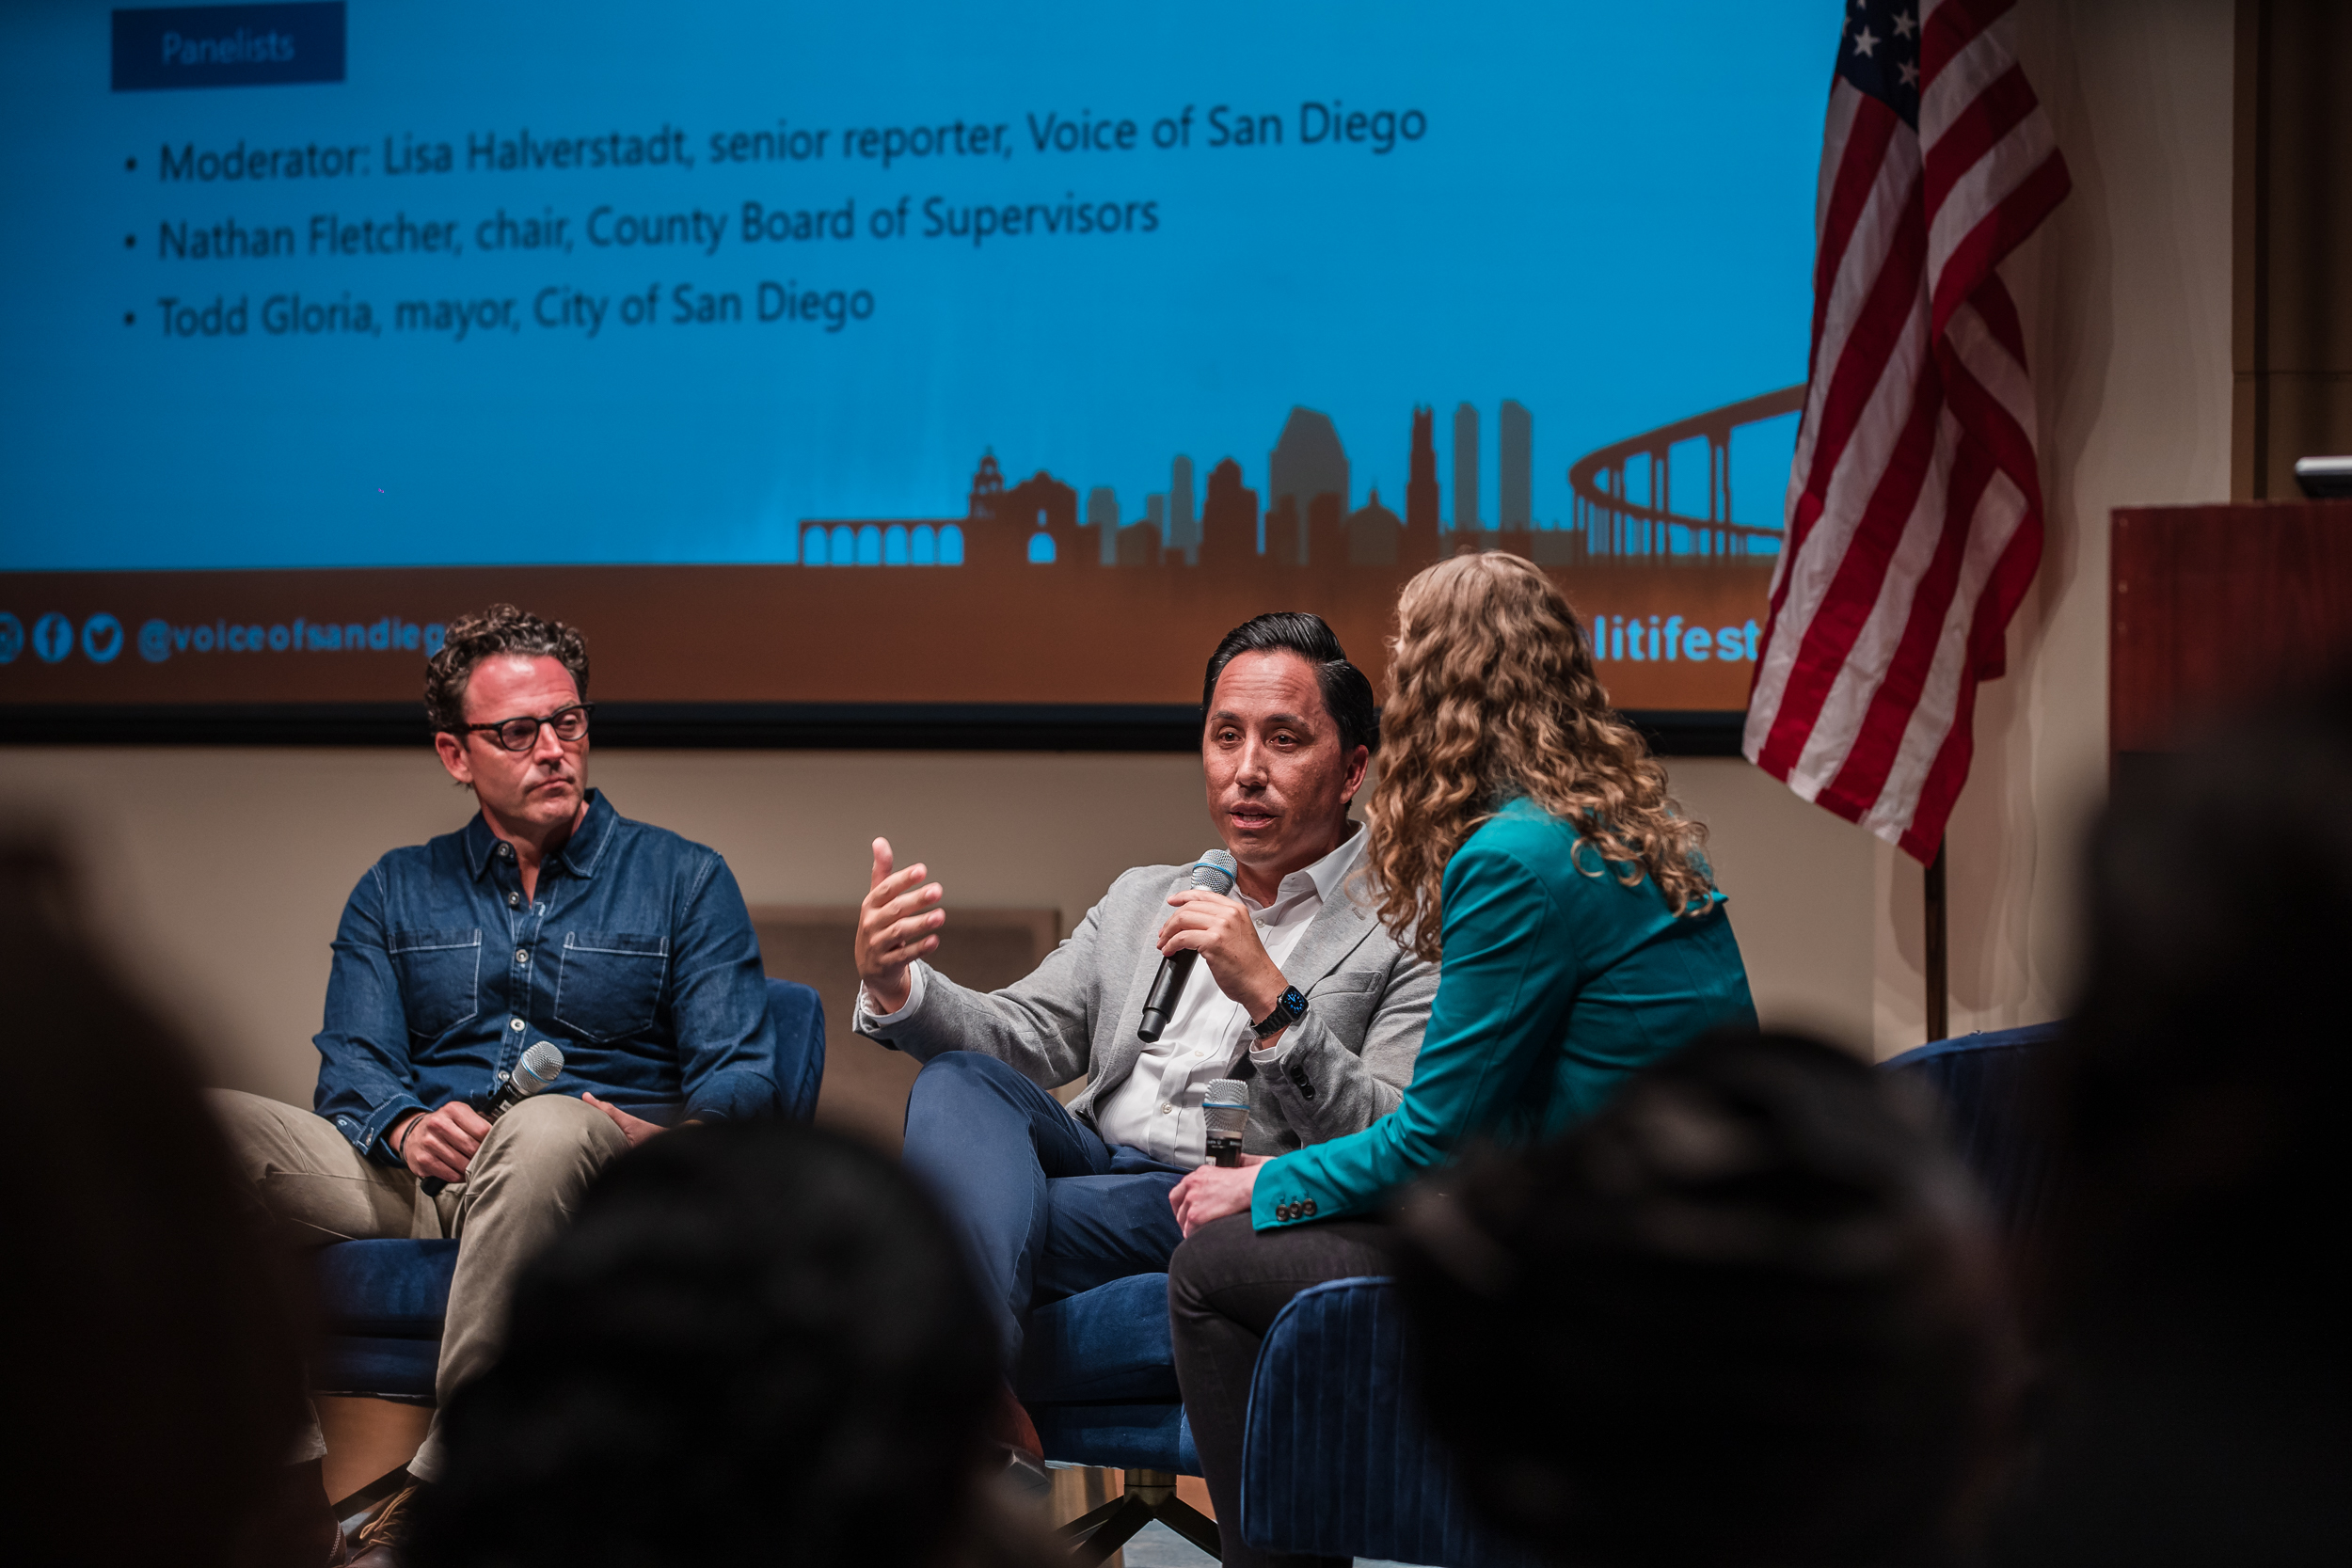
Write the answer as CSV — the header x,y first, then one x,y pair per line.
x,y
1225,1287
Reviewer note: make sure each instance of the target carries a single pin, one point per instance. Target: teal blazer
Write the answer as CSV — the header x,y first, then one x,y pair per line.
x,y
1558,981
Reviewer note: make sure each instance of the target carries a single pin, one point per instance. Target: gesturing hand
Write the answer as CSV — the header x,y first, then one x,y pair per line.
x,y
895,925
441,1143
1212,1192
1218,928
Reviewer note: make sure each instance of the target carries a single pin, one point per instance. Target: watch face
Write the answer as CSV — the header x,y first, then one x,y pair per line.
x,y
1293,1003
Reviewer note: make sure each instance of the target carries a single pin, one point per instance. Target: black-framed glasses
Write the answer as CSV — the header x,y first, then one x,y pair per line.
x,y
522,733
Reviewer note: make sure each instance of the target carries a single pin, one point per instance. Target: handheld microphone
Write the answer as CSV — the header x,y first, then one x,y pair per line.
x,y
1214,871
539,1068
1226,1109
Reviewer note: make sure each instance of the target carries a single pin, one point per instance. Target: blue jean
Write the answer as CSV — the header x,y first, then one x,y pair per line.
x,y
1044,1208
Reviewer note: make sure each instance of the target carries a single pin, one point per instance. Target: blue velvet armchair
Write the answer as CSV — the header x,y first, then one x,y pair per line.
x,y
383,1300
1336,1463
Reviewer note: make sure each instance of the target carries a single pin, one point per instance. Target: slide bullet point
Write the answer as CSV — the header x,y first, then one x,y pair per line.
x,y
130,318
130,163
129,242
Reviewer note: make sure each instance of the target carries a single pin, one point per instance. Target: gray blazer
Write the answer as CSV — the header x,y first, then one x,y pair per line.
x,y
1342,1066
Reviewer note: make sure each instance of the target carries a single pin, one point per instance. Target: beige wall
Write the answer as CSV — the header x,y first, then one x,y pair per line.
x,y
217,874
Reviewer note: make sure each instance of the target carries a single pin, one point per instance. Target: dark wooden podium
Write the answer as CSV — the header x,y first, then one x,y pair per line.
x,y
2213,608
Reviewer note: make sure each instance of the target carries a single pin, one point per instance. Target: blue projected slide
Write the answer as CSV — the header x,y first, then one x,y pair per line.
x,y
419,283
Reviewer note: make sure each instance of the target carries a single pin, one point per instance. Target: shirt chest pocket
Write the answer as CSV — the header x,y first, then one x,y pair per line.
x,y
439,971
611,983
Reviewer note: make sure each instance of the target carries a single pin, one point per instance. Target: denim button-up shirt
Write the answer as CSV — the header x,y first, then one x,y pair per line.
x,y
636,958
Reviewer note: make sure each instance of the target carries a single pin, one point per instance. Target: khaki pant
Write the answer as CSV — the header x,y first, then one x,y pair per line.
x,y
521,1186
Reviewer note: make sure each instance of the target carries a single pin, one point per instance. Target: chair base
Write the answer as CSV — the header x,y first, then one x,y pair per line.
x,y
1149,1494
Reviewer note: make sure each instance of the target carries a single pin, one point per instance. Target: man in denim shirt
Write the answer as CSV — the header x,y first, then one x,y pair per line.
x,y
548,917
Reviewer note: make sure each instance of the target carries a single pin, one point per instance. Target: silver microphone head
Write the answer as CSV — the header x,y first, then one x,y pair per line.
x,y
1214,871
1224,1107
541,1066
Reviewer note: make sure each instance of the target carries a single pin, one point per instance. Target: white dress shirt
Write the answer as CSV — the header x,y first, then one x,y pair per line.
x,y
1157,1108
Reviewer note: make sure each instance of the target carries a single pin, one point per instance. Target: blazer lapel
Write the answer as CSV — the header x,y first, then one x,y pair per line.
x,y
1338,929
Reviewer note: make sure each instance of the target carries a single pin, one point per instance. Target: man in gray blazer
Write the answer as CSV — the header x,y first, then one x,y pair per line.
x,y
1299,991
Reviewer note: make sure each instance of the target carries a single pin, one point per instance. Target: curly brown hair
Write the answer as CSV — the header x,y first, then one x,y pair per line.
x,y
1492,694
499,630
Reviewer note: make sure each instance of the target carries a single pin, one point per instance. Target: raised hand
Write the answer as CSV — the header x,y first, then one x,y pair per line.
x,y
897,922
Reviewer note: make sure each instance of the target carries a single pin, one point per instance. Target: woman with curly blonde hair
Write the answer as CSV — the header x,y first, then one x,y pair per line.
x,y
1522,834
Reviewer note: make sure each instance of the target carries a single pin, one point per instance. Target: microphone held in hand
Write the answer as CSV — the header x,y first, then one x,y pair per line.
x,y
1214,871
541,1065
1226,1109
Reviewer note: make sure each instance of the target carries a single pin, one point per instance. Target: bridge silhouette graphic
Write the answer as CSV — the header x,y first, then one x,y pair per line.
x,y
1615,524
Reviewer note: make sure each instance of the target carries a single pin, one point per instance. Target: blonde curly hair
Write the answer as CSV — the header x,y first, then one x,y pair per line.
x,y
1492,694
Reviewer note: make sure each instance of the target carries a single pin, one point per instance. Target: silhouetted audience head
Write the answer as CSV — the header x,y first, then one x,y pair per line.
x,y
154,1383
2190,1284
1747,1315
756,1342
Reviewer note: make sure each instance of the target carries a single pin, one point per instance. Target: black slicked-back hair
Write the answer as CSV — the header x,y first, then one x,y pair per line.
x,y
1346,694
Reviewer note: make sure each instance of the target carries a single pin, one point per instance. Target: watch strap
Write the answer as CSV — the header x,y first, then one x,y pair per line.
x,y
1289,1008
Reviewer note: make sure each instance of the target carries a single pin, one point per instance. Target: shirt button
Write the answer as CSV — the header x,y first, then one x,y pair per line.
x,y
1308,1208
513,900
522,955
517,1025
1167,1110
506,851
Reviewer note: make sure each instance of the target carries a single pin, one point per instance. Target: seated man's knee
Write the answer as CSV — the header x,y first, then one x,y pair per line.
x,y
553,1131
260,1132
954,1072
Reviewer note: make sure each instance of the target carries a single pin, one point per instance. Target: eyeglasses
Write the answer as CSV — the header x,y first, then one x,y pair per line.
x,y
522,733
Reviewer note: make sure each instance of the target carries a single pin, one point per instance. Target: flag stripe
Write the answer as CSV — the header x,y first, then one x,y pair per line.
x,y
2006,104
1948,27
1911,663
1914,509
1853,584
2000,232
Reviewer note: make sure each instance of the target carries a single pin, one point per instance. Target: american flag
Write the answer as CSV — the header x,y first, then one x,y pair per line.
x,y
1914,513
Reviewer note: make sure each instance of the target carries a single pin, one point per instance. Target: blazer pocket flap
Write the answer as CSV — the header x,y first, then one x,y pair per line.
x,y
1340,982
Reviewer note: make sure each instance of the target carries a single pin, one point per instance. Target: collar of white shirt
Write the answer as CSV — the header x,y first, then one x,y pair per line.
x,y
1323,880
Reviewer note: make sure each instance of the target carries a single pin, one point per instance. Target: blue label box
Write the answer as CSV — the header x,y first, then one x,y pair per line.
x,y
228,46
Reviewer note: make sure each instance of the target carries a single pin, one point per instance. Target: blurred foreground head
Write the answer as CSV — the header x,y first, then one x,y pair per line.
x,y
1747,1315
2207,1074
756,1342
154,1385
2191,1279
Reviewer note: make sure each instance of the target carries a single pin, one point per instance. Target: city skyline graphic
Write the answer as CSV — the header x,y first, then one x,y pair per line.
x,y
1623,496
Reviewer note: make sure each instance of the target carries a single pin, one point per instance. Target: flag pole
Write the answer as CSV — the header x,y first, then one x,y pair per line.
x,y
1939,1022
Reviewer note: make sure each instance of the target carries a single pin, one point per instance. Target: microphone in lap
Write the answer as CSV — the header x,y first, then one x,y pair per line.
x,y
540,1067
1214,871
1226,1108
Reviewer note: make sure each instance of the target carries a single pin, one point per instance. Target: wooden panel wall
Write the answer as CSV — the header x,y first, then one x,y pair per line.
x,y
2213,607
2292,332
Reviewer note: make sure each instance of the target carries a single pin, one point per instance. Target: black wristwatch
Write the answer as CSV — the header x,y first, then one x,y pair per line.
x,y
1289,1008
